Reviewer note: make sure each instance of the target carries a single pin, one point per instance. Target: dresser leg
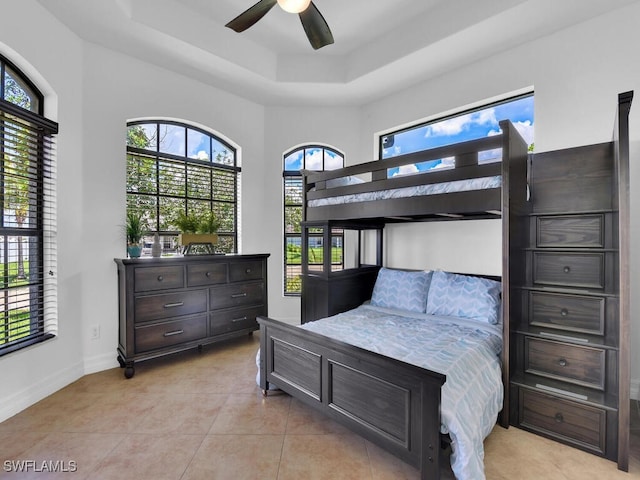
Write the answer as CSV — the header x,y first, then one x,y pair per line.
x,y
129,370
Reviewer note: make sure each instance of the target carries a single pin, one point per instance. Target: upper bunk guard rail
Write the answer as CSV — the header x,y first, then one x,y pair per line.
x,y
466,155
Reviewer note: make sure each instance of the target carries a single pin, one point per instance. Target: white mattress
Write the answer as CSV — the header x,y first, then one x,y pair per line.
x,y
481,183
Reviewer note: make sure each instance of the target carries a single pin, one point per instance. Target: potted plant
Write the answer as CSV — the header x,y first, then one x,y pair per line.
x,y
135,229
198,229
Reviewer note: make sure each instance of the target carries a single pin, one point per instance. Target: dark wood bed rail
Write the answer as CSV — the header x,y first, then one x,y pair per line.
x,y
485,203
390,403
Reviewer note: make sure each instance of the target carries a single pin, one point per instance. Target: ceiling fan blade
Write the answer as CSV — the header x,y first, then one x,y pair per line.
x,y
249,17
316,28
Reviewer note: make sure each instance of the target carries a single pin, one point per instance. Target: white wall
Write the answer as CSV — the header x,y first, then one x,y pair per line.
x,y
97,91
118,88
576,73
286,128
30,374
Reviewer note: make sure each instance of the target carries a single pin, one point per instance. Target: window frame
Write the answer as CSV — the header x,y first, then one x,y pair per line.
x,y
288,175
36,294
158,156
384,137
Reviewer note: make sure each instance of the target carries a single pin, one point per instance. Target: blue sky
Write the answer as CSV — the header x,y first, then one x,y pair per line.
x,y
192,144
469,126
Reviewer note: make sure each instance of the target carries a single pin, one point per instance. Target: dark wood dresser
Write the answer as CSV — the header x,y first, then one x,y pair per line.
x,y
565,384
171,304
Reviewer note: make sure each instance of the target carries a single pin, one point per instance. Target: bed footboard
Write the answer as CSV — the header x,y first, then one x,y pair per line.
x,y
393,404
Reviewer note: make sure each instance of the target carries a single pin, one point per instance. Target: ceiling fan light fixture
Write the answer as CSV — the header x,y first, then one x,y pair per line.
x,y
294,6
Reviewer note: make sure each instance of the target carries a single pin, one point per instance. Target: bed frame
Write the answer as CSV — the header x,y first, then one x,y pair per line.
x,y
393,404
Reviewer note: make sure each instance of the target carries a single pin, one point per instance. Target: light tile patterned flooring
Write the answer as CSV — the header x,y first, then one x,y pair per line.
x,y
200,416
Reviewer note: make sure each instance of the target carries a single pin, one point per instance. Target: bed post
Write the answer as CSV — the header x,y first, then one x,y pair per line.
x,y
621,197
514,210
430,454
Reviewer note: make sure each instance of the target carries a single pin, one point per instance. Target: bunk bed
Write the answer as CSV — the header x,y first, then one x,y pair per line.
x,y
392,403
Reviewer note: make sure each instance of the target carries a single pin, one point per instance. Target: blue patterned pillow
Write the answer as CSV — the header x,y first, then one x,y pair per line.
x,y
464,296
403,290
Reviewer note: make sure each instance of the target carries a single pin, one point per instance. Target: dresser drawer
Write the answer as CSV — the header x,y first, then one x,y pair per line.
x,y
569,269
241,271
158,278
574,423
570,363
155,307
224,321
242,294
571,231
203,274
568,312
151,337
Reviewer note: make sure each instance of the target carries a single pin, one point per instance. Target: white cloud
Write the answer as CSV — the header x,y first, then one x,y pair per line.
x,y
455,125
406,170
331,162
526,129
313,161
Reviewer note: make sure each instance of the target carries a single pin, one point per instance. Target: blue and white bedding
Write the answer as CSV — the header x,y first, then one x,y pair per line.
x,y
465,350
481,183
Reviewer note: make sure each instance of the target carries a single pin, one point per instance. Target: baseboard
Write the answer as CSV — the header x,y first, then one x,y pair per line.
x,y
18,401
99,363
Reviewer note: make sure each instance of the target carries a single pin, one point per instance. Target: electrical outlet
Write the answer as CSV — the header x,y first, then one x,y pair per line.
x,y
95,332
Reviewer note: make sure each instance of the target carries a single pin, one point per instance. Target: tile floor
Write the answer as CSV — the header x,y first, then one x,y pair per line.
x,y
200,416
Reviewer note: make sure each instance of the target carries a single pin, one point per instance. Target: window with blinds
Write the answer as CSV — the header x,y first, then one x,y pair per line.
x,y
28,302
175,168
309,157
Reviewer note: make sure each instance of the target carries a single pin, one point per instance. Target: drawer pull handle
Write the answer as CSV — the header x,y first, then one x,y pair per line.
x,y
175,332
566,269
559,418
562,362
239,295
160,278
247,271
564,312
172,305
208,274
239,319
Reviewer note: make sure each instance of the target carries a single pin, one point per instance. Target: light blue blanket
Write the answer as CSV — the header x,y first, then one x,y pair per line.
x,y
466,351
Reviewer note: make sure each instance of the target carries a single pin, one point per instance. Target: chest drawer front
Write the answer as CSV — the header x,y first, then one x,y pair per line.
x,y
156,307
151,337
571,231
158,278
572,422
571,363
242,294
203,274
224,321
249,270
567,269
568,312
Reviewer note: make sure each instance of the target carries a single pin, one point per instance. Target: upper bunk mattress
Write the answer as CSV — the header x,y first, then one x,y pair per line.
x,y
481,183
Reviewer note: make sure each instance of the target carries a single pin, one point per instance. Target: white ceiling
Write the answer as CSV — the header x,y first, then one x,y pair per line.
x,y
380,46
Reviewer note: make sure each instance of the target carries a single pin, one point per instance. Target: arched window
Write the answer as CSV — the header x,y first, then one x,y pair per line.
x,y
174,169
308,157
28,307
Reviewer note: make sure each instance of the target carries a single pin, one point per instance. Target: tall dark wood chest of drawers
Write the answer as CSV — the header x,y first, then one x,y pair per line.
x,y
565,384
171,304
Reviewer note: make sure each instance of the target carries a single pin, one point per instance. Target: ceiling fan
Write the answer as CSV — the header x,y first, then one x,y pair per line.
x,y
314,24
